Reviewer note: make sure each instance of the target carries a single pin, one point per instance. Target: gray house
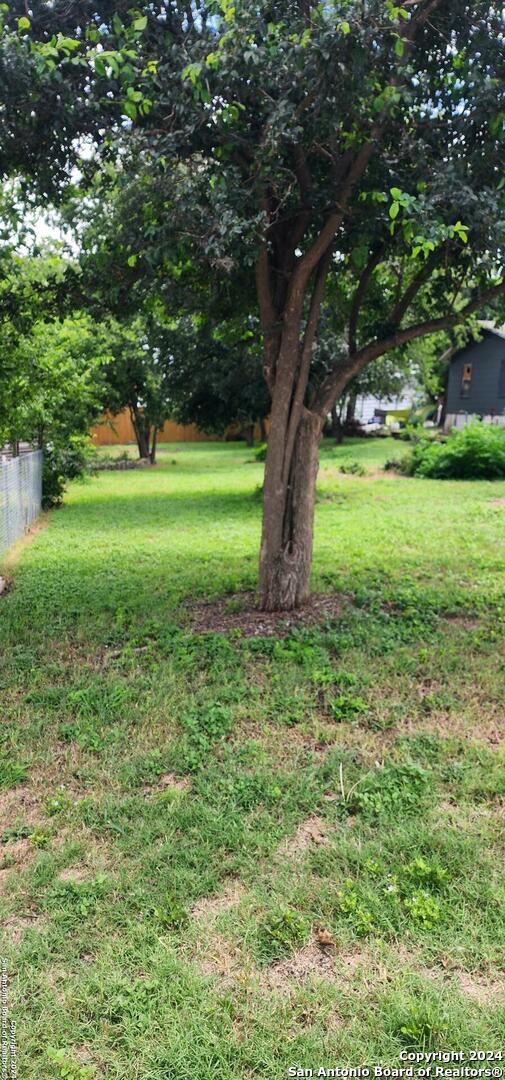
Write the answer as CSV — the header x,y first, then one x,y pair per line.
x,y
476,384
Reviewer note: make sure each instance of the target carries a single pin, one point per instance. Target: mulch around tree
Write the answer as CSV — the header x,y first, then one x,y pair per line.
x,y
241,612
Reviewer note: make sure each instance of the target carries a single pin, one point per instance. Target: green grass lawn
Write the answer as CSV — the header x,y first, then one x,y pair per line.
x,y
186,818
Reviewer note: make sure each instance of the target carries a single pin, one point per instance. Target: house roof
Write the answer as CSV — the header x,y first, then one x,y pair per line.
x,y
488,328
499,331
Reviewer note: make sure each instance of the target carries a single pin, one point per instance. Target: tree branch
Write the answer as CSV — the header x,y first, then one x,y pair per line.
x,y
332,386
268,313
359,295
306,357
416,284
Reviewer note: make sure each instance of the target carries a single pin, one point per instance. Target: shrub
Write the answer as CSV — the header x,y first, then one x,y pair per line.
x,y
477,452
260,453
352,468
63,462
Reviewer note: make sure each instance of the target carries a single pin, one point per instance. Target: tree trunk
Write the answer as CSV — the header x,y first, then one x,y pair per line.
x,y
141,430
337,427
288,519
154,444
248,433
351,409
263,430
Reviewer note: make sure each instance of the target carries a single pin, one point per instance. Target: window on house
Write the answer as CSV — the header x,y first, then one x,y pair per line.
x,y
466,380
501,384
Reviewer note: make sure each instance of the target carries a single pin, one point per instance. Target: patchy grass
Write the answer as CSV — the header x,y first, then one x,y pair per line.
x,y
222,856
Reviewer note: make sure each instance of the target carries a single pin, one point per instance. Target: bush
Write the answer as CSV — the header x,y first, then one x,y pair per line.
x,y
62,463
260,453
477,452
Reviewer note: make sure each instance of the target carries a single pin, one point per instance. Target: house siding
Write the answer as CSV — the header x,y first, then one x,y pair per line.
x,y
484,396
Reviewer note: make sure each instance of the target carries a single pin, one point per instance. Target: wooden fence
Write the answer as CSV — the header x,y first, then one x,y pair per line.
x,y
118,430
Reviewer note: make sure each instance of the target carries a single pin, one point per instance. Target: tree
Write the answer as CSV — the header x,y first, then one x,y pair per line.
x,y
340,146
136,380
51,391
214,375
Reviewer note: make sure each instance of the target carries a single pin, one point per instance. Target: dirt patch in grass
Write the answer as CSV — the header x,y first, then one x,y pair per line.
x,y
240,612
77,873
211,906
168,780
225,961
311,832
482,990
16,926
313,960
20,811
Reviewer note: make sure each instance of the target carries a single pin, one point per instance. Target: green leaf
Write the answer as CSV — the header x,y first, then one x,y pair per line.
x,y
191,72
132,259
399,46
140,23
394,210
344,27
396,193
24,23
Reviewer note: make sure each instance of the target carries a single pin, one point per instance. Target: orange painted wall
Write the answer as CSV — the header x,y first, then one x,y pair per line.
x,y
118,430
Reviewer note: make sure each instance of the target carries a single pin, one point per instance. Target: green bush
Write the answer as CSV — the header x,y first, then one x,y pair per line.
x,y
260,453
477,452
352,468
63,462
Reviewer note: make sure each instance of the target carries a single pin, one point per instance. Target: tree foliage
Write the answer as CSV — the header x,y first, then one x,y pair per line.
x,y
136,379
214,374
51,391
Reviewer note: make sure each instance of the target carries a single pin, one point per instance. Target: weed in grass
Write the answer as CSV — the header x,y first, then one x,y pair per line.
x,y
350,904
145,769
172,915
12,772
66,1067
57,804
423,909
87,736
17,831
40,838
423,874
234,606
390,790
203,726
348,707
73,901
323,676
280,932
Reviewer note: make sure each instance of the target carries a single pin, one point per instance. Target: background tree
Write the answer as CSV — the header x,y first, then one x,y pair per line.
x,y
136,379
214,375
51,391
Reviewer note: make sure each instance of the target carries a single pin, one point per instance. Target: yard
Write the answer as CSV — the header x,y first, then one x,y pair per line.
x,y
224,856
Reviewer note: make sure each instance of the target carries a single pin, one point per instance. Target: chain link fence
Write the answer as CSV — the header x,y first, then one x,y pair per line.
x,y
20,494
